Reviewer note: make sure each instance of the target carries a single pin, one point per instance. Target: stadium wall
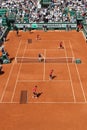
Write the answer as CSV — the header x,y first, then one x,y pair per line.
x,y
85,30
50,26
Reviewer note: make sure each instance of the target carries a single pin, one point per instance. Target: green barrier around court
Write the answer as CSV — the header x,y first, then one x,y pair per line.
x,y
85,30
50,26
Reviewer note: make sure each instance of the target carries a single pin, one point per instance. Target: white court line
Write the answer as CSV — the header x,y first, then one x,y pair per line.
x,y
78,75
36,102
18,74
57,102
10,73
44,65
70,78
48,41
43,56
44,49
43,81
9,102
83,35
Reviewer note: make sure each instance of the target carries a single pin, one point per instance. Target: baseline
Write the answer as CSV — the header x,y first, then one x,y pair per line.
x,y
44,102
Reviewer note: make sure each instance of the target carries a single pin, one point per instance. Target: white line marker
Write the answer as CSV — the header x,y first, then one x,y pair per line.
x,y
70,78
47,102
10,73
43,81
83,35
44,65
78,74
18,74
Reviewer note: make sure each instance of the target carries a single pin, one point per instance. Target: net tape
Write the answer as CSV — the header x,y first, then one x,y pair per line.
x,y
47,60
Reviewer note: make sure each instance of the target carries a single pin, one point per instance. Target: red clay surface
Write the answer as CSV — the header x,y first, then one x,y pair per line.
x,y
63,102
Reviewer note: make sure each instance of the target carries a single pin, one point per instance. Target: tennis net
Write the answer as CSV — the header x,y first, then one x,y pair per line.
x,y
46,60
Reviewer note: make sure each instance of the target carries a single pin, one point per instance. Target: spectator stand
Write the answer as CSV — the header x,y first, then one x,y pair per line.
x,y
4,32
56,14
4,59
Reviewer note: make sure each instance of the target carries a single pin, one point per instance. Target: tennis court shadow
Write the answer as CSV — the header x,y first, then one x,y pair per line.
x,y
31,32
19,35
39,94
7,53
2,72
54,77
7,40
11,59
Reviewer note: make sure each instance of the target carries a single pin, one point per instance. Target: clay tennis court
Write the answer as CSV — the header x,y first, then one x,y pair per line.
x,y
62,102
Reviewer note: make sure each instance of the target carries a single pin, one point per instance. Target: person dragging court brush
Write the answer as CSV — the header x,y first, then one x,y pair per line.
x,y
51,74
17,32
38,37
61,45
35,94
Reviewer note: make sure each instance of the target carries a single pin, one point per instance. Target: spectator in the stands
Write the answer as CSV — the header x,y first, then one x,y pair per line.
x,y
58,10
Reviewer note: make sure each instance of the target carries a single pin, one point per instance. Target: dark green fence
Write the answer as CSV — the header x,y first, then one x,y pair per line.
x,y
50,26
85,30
